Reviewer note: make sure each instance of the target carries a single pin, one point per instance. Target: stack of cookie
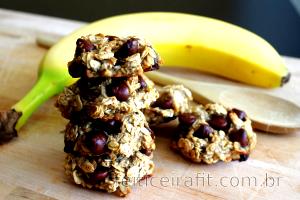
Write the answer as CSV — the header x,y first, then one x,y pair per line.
x,y
108,141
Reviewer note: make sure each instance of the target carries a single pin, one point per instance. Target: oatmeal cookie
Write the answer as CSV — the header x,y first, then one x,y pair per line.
x,y
213,133
119,134
108,172
110,56
110,153
173,100
137,92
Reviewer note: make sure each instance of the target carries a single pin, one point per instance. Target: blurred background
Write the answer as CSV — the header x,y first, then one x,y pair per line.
x,y
278,21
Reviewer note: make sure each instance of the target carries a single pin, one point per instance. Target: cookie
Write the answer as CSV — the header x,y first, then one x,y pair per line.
x,y
172,100
109,173
213,133
110,153
120,134
137,92
111,56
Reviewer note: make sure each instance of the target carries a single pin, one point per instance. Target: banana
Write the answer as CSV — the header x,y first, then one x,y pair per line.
x,y
182,40
195,42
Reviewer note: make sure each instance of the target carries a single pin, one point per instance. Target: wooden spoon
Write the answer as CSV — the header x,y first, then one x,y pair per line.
x,y
269,113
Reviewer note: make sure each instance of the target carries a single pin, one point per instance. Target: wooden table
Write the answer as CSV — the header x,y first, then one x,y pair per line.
x,y
32,165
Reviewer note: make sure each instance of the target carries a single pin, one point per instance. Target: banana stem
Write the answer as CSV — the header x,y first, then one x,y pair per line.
x,y
43,89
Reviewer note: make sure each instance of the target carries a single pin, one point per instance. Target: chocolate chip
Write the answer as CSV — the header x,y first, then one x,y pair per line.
x,y
98,175
243,157
203,150
111,37
66,114
218,122
128,48
155,66
164,102
203,131
96,141
142,83
167,103
239,136
79,117
120,91
89,87
112,126
120,62
76,68
147,152
83,46
187,119
69,146
241,114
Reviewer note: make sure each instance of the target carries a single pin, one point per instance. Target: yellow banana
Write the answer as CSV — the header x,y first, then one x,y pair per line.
x,y
183,40
191,41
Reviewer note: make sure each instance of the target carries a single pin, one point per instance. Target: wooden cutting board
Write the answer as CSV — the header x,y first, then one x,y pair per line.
x,y
32,165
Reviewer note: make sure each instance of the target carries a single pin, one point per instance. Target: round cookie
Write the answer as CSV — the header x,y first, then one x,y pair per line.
x,y
121,134
110,153
137,92
214,133
110,56
108,172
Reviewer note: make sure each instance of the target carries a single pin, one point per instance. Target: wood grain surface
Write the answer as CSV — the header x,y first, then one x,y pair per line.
x,y
31,167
